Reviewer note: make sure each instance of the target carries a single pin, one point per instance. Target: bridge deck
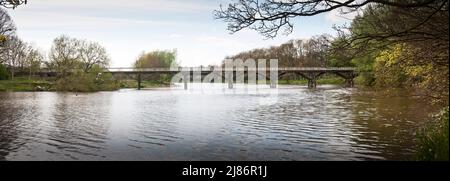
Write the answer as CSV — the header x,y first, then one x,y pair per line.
x,y
210,69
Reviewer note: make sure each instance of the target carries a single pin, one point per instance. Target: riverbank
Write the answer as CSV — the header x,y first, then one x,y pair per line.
x,y
22,84
30,85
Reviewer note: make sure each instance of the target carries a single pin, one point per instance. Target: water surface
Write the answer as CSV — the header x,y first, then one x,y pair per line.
x,y
330,123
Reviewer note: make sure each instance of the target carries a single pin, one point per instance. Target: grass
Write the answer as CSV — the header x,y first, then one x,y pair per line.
x,y
24,84
433,139
21,84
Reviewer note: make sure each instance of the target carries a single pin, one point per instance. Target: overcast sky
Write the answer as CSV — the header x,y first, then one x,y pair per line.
x,y
128,27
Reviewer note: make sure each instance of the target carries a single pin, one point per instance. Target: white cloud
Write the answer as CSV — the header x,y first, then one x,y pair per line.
x,y
132,5
127,28
176,35
76,21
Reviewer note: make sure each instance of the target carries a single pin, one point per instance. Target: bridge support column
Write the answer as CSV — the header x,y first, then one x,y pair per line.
x,y
139,82
312,78
185,84
230,84
349,82
273,84
312,83
349,76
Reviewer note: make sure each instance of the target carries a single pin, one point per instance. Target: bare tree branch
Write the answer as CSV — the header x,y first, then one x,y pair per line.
x,y
12,3
268,17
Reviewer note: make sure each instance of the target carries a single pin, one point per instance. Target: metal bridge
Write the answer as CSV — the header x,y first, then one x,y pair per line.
x,y
312,74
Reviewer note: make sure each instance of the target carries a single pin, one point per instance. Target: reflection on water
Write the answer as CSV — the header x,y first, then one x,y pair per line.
x,y
329,123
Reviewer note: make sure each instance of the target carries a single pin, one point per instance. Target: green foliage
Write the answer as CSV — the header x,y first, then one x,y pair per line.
x,y
338,55
80,81
433,139
156,59
394,47
365,65
80,66
4,74
389,70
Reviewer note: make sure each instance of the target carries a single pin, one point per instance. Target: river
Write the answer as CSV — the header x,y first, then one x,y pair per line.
x,y
329,123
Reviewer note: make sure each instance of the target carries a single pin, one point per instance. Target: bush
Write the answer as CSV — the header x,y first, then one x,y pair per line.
x,y
94,80
4,74
433,139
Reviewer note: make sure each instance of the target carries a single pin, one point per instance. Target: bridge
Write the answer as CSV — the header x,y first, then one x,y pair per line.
x,y
312,74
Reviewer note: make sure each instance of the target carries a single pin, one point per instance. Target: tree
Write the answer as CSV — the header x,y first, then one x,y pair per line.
x,y
3,73
156,59
33,58
268,17
92,54
295,53
68,54
381,26
14,54
64,55
80,65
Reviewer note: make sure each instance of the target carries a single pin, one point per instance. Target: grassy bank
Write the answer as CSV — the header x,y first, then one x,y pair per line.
x,y
21,84
433,139
24,84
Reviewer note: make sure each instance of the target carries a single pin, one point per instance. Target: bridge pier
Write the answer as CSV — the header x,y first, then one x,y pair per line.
x,y
185,84
349,82
230,84
312,83
139,82
312,78
273,84
349,76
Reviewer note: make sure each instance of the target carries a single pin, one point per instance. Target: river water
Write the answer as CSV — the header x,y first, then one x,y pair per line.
x,y
329,123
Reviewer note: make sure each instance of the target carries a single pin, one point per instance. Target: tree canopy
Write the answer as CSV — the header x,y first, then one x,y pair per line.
x,y
157,59
393,43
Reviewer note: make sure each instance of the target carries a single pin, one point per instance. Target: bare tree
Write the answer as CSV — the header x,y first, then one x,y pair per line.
x,y
12,3
33,59
268,17
7,27
305,53
92,54
69,54
64,54
13,54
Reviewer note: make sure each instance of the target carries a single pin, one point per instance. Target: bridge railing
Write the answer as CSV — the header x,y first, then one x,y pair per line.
x,y
125,69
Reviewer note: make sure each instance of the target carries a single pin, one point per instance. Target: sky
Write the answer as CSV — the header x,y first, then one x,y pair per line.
x,y
126,28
